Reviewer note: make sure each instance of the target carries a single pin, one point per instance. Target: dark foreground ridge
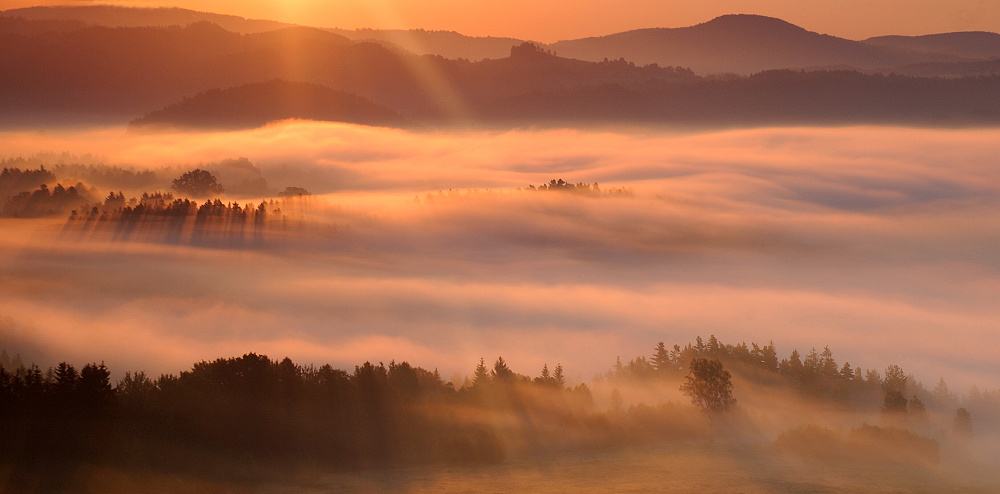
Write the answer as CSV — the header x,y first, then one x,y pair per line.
x,y
249,419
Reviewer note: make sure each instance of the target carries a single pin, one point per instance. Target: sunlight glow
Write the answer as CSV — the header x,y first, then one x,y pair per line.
x,y
552,21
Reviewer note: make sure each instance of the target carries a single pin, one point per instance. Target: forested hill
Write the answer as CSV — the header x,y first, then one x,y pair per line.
x,y
743,44
54,76
251,418
780,97
51,77
120,16
254,105
969,45
727,44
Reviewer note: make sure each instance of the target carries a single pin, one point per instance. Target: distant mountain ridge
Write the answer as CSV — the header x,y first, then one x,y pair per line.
x,y
738,43
116,16
742,44
987,68
972,45
447,44
779,97
142,69
57,72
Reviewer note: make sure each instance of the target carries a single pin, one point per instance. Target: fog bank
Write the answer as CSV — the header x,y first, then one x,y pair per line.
x,y
879,242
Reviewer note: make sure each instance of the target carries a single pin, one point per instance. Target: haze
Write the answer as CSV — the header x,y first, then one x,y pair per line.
x,y
876,241
553,21
746,255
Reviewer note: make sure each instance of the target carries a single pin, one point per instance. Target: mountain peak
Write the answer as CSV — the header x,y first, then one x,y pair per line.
x,y
750,21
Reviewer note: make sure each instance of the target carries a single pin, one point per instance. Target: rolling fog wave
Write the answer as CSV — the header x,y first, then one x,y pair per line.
x,y
427,247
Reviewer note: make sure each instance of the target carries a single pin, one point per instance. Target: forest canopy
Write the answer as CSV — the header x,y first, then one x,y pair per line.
x,y
283,413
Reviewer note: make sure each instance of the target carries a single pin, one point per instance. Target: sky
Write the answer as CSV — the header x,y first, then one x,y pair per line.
x,y
879,242
556,20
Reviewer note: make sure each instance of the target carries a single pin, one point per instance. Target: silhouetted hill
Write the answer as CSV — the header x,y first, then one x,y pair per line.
x,y
55,77
733,43
530,68
473,86
121,73
739,43
297,38
448,44
22,26
988,68
769,98
253,105
114,75
974,45
115,16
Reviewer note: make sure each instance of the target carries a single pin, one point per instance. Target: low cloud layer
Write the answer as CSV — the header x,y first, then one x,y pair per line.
x,y
879,242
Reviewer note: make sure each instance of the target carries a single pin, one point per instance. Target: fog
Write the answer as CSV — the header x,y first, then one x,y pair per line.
x,y
425,247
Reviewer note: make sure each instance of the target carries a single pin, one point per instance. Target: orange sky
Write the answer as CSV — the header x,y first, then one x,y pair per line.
x,y
554,19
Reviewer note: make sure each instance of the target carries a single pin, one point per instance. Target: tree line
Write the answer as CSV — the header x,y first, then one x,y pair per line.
x,y
151,216
816,376
244,415
160,206
26,194
594,189
249,411
33,193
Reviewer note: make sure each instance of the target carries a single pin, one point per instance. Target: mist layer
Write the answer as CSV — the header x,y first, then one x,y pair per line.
x,y
427,247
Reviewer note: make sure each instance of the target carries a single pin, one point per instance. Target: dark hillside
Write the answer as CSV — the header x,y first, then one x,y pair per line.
x,y
974,45
116,16
253,105
742,44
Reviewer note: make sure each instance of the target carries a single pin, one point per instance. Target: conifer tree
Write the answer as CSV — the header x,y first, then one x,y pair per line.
x,y
661,358
482,376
